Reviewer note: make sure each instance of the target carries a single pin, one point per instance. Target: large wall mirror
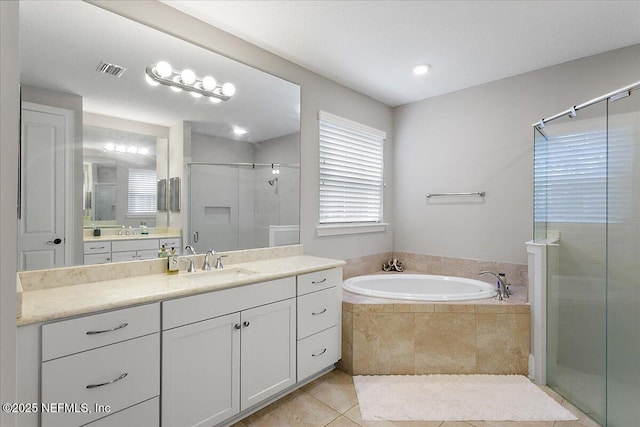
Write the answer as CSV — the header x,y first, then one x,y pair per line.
x,y
121,142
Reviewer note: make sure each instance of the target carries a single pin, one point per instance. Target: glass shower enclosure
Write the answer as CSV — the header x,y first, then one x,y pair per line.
x,y
587,211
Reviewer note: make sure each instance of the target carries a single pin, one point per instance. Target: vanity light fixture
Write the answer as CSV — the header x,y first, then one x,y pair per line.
x,y
187,80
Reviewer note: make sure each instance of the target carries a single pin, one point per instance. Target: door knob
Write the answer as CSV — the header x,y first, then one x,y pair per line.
x,y
55,241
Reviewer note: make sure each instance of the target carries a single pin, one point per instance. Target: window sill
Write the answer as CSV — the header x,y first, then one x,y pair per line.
x,y
340,229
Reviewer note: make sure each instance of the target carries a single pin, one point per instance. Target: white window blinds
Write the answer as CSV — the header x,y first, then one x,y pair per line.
x,y
142,192
571,173
351,171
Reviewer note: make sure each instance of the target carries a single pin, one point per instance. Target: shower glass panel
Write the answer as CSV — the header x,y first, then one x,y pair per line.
x,y
238,206
623,240
571,211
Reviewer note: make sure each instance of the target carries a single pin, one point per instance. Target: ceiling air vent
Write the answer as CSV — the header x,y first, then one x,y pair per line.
x,y
111,69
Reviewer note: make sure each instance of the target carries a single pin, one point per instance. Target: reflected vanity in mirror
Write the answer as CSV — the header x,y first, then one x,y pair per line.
x,y
148,140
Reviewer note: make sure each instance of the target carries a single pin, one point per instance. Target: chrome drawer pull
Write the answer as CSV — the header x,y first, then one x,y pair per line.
x,y
237,326
246,323
109,382
124,325
96,247
319,312
316,282
319,354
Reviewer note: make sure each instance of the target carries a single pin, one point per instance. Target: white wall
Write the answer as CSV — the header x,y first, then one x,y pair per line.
x,y
317,93
9,134
481,139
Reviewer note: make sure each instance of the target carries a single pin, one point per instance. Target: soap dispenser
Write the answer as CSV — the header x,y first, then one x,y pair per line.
x,y
173,261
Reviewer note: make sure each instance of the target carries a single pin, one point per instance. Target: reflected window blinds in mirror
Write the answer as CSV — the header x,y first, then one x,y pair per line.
x,y
174,194
187,80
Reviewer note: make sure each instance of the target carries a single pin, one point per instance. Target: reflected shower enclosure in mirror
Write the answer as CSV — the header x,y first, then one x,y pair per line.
x,y
100,72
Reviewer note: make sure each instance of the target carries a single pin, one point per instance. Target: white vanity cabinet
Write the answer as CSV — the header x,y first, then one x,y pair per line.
x,y
133,250
226,351
102,365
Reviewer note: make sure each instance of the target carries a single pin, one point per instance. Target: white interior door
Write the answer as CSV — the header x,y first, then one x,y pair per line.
x,y
41,226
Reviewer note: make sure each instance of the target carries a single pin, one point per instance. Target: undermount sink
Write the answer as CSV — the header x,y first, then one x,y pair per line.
x,y
216,276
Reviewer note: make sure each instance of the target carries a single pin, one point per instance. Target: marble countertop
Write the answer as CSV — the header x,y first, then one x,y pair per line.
x,y
45,304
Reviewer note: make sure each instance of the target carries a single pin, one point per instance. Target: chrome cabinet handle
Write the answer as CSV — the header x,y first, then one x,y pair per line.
x,y
96,247
108,382
124,325
316,313
319,281
246,323
319,354
237,326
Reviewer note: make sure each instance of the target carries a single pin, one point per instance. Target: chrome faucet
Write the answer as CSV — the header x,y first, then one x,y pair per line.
x,y
206,266
219,261
503,287
192,264
190,249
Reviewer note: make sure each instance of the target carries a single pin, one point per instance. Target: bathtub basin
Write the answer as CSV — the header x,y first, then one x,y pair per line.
x,y
420,287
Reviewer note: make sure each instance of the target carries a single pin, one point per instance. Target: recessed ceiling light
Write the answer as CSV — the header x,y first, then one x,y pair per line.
x,y
239,131
421,69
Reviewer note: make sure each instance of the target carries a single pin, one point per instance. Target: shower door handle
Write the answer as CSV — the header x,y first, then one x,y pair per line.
x,y
195,237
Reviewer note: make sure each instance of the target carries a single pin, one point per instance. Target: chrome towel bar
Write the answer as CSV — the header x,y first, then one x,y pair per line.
x,y
474,193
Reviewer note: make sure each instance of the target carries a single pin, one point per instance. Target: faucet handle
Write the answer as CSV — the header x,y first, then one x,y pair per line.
x,y
192,265
219,261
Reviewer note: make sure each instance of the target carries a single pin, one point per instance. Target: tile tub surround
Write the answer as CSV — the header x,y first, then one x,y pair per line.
x,y
429,264
383,336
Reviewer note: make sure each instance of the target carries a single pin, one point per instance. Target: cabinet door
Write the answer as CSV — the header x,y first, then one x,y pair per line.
x,y
201,372
268,359
147,254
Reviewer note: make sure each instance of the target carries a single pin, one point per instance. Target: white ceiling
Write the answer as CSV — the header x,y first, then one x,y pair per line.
x,y
372,46
62,42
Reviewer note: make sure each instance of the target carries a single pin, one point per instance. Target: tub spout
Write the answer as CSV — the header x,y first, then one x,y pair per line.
x,y
503,291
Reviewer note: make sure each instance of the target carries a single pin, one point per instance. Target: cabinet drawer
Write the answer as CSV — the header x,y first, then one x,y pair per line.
x,y
145,414
97,258
124,256
134,245
97,247
118,375
318,311
148,254
319,280
318,352
72,336
183,311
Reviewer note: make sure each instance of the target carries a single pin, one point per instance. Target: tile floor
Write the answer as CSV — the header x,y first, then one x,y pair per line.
x,y
331,401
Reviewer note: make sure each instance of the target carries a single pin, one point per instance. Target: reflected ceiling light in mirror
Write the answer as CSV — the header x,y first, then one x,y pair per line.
x,y
421,69
109,147
187,80
239,131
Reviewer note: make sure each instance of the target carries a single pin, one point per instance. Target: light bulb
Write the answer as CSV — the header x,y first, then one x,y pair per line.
x,y
209,83
121,148
132,149
109,147
228,89
163,68
144,151
188,77
150,80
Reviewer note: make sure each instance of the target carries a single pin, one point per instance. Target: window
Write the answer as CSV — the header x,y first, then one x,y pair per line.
x,y
142,192
571,173
351,172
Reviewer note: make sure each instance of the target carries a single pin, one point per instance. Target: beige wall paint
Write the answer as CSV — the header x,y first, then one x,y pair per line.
x,y
9,134
317,93
481,139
